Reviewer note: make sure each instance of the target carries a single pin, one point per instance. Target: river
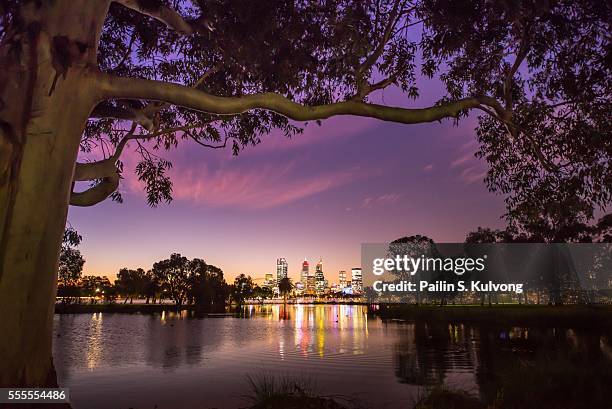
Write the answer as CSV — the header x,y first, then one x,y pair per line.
x,y
176,361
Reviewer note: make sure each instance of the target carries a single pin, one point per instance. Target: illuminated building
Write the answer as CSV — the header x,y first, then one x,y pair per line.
x,y
319,278
281,270
304,273
342,279
356,281
310,285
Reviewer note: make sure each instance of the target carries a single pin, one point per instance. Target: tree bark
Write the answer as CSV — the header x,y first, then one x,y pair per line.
x,y
45,100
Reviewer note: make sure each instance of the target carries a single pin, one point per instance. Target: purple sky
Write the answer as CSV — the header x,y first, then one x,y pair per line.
x,y
322,194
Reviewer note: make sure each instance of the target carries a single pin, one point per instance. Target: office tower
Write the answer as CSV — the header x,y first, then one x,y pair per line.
x,y
357,284
310,285
269,280
319,278
304,273
281,269
342,279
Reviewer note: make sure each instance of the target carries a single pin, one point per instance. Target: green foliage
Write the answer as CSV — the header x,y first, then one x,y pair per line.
x,y
545,64
556,169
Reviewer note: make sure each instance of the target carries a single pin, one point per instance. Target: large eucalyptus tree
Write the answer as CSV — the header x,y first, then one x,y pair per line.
x,y
100,76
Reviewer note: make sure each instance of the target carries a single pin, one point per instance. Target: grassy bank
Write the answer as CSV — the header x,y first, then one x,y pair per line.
x,y
529,315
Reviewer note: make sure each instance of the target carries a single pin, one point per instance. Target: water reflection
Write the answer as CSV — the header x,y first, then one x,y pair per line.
x,y
182,361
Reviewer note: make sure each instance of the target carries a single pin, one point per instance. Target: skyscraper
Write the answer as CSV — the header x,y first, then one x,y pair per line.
x,y
281,269
319,278
304,273
357,283
342,279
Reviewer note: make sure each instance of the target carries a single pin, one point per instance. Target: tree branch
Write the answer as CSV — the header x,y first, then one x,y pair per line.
x,y
196,140
362,87
520,57
152,109
103,168
134,88
107,110
167,15
371,59
162,13
97,193
94,170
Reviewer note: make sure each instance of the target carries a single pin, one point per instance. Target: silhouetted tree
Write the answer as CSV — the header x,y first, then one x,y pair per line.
x,y
284,287
262,293
207,287
131,283
242,288
412,246
93,286
70,266
173,275
151,286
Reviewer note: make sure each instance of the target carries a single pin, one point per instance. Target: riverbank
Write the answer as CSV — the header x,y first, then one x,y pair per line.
x,y
598,316
141,308
129,309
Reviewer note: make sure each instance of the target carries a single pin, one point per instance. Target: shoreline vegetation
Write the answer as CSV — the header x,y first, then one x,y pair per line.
x,y
87,308
519,314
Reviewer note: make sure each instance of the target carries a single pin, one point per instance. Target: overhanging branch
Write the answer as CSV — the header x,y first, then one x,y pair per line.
x,y
107,110
176,94
94,170
97,193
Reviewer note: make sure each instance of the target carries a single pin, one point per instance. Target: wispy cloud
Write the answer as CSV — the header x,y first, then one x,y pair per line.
x,y
250,187
469,167
462,160
389,198
428,168
473,174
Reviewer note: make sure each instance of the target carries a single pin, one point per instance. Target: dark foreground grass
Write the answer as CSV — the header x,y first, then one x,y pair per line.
x,y
288,392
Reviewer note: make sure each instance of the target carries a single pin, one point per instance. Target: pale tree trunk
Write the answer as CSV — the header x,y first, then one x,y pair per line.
x,y
45,100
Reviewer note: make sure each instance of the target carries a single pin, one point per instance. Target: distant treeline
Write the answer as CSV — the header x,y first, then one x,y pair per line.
x,y
179,279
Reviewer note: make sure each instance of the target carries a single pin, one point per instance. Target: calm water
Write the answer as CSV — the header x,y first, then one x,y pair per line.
x,y
173,361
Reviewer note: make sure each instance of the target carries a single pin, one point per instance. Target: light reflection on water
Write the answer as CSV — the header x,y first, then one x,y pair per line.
x,y
174,361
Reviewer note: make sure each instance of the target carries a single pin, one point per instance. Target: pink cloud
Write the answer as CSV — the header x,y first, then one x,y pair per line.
x,y
388,198
462,160
471,169
251,187
428,168
473,174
